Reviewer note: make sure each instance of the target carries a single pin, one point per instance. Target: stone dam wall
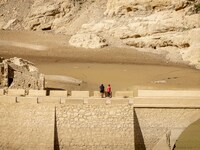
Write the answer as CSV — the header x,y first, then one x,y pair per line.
x,y
76,123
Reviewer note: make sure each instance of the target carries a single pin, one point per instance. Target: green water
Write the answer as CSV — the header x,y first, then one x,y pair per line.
x,y
190,138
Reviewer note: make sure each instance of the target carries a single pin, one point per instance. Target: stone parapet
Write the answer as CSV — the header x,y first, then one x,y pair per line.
x,y
138,102
16,92
82,97
82,94
27,100
55,93
168,93
37,93
166,101
50,100
8,99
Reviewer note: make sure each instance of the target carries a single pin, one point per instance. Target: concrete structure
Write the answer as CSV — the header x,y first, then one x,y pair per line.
x,y
58,93
168,93
152,123
49,100
27,126
27,100
80,94
16,92
37,93
8,99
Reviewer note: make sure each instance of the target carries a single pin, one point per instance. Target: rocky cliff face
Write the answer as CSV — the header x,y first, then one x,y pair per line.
x,y
168,27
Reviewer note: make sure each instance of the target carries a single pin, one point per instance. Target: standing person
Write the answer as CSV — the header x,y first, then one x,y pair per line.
x,y
102,90
109,93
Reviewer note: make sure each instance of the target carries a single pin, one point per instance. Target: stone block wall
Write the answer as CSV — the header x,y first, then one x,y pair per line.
x,y
58,93
16,92
93,123
99,127
37,93
26,127
80,94
168,93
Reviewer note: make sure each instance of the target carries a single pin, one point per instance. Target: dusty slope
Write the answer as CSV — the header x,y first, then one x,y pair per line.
x,y
167,27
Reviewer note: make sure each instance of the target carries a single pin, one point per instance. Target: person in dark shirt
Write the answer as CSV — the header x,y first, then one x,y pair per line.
x,y
102,90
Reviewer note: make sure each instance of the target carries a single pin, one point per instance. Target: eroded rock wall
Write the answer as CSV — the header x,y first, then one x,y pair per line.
x,y
21,74
162,27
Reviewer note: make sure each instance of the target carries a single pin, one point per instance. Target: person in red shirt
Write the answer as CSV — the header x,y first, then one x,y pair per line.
x,y
109,93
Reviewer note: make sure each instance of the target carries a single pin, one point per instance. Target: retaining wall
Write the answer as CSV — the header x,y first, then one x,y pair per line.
x,y
26,127
168,93
50,122
96,127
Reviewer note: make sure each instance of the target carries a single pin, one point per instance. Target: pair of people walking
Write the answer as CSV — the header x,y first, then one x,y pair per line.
x,y
107,92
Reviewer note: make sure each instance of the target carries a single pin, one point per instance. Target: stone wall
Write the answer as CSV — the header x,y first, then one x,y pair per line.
x,y
95,127
94,123
26,127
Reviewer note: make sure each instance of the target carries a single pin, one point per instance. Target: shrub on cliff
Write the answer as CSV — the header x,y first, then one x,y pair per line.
x,y
197,7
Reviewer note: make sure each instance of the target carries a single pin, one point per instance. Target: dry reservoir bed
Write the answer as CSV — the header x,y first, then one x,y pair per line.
x,y
122,76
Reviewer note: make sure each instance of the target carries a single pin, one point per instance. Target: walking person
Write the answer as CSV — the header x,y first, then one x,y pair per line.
x,y
102,90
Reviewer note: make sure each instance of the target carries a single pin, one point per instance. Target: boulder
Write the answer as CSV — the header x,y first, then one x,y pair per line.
x,y
11,23
86,40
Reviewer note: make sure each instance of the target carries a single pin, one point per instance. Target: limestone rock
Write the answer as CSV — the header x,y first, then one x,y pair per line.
x,y
3,2
193,53
180,46
10,24
21,74
51,15
121,7
86,40
41,16
2,23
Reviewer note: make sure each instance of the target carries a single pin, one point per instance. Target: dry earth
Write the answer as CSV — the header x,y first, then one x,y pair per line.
x,y
124,69
167,27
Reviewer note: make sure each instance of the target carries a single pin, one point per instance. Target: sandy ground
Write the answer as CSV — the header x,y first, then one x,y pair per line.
x,y
45,47
122,76
124,69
